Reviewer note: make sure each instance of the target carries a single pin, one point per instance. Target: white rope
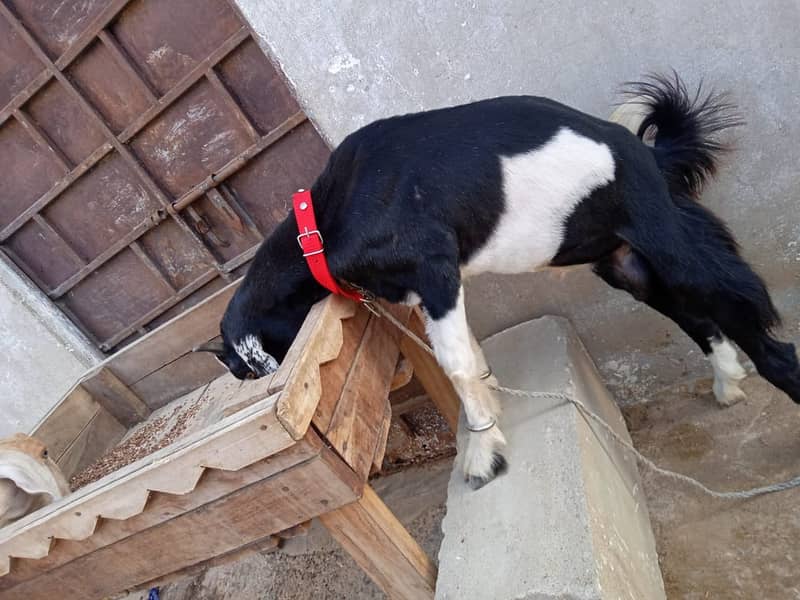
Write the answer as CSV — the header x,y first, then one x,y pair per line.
x,y
587,412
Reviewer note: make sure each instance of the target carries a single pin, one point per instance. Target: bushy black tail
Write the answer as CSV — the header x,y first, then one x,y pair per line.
x,y
685,147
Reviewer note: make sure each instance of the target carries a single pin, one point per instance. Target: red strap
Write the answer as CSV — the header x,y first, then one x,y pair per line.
x,y
310,240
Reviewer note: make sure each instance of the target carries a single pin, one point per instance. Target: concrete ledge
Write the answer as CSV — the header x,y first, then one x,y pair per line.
x,y
569,519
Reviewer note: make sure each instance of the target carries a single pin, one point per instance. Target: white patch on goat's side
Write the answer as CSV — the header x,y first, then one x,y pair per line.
x,y
258,359
727,372
542,188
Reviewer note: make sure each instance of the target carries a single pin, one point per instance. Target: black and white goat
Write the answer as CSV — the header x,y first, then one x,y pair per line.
x,y
413,205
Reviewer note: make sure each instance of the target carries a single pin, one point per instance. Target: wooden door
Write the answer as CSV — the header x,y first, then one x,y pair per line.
x,y
147,147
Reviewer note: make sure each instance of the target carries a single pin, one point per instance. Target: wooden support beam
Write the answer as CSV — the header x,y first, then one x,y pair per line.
x,y
381,546
383,439
402,374
116,397
430,374
357,426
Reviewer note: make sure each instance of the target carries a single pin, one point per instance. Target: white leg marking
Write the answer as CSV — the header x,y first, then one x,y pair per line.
x,y
453,346
483,368
727,372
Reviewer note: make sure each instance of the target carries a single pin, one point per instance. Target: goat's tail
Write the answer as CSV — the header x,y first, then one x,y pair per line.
x,y
685,127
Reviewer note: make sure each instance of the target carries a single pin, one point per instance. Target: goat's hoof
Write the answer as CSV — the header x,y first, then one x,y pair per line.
x,y
483,456
498,467
728,395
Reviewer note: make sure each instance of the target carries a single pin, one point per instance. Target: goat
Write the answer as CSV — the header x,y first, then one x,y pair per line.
x,y
413,205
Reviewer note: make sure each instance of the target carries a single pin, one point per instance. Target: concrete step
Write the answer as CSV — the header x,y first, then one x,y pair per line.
x,y
569,518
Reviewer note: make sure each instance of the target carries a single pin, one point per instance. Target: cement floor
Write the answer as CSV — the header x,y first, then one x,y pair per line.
x,y
707,548
712,548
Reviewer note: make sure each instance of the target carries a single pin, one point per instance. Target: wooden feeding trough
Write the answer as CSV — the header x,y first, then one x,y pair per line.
x,y
240,462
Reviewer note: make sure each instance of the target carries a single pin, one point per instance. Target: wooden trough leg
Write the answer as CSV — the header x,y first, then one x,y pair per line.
x,y
382,547
430,374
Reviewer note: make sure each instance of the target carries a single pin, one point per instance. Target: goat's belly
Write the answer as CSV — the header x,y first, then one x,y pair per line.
x,y
506,254
541,189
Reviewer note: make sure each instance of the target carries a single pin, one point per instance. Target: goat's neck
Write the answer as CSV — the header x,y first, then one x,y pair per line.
x,y
279,279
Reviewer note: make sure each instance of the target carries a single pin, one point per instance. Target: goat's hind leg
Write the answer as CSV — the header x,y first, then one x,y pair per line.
x,y
624,269
462,361
775,361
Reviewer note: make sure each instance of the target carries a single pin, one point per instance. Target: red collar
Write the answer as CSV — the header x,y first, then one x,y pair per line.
x,y
310,240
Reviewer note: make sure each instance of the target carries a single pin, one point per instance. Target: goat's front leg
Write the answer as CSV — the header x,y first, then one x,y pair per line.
x,y
462,360
486,375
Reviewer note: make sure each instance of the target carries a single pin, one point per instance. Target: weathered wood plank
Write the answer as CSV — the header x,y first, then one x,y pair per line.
x,y
177,378
100,434
316,319
319,341
65,421
381,546
239,519
334,373
402,375
78,430
236,442
173,339
262,546
358,419
249,392
214,484
430,374
383,439
116,397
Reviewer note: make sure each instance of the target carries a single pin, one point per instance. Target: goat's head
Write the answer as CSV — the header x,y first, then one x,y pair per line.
x,y
255,336
245,359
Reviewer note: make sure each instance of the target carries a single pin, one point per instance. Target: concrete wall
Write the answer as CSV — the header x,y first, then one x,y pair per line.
x,y
353,61
41,353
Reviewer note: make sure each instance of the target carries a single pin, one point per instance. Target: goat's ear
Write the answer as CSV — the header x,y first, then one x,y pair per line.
x,y
214,347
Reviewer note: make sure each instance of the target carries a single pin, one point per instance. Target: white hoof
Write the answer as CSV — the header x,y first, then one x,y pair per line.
x,y
728,393
727,373
484,458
